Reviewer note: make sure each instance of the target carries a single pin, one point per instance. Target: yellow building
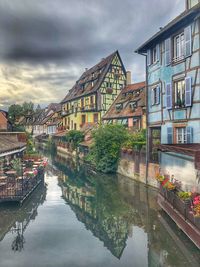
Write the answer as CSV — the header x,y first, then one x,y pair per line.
x,y
94,92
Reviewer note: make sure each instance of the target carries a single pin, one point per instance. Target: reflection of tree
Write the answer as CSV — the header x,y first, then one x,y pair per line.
x,y
110,206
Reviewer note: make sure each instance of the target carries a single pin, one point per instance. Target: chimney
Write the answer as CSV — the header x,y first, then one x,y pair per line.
x,y
128,77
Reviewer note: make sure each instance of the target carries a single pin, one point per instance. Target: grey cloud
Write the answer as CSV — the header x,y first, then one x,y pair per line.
x,y
73,35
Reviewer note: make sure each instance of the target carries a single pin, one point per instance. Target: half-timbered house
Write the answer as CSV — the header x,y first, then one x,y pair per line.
x,y
94,92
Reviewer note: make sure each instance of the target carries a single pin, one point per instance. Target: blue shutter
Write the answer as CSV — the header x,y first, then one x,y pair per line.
x,y
189,132
167,51
158,52
148,57
188,41
188,91
169,135
152,97
158,94
168,96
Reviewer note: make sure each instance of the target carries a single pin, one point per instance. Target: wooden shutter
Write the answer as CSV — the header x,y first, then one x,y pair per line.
x,y
189,132
167,51
158,52
158,94
188,91
188,41
169,135
148,57
168,96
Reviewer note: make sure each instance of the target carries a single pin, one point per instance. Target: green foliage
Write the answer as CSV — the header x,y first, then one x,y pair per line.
x,y
136,140
27,107
19,128
17,166
14,112
106,149
184,195
74,137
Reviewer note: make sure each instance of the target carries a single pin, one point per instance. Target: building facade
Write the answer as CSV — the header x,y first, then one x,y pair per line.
x,y
93,93
173,80
129,108
173,99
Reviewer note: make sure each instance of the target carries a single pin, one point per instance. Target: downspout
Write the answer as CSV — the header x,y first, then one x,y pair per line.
x,y
147,125
147,121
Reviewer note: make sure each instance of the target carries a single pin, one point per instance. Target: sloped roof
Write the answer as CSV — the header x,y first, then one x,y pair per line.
x,y
9,142
95,74
130,93
174,25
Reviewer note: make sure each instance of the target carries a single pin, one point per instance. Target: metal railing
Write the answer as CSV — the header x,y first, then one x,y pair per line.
x,y
17,188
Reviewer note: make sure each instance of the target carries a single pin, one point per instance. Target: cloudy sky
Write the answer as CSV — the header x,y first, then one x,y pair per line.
x,y
45,45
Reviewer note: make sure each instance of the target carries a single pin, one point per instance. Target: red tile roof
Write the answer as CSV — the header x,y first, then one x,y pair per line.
x,y
130,93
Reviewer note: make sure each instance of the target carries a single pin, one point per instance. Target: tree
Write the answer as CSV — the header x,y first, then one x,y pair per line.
x,y
105,152
27,107
14,112
74,137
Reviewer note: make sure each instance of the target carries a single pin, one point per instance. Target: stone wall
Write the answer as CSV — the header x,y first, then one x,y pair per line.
x,y
134,166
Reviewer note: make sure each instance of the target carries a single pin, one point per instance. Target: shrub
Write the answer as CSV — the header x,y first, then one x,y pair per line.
x,y
74,137
105,152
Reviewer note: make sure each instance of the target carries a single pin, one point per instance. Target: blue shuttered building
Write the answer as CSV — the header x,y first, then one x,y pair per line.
x,y
173,93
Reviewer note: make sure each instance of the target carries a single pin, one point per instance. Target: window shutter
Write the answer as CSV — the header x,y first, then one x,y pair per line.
x,y
158,94
158,52
189,132
169,135
188,91
152,97
168,96
148,57
167,51
188,41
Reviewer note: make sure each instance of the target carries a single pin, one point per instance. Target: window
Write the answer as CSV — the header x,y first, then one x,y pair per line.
x,y
179,87
179,46
82,102
155,96
83,119
181,136
91,100
95,118
153,55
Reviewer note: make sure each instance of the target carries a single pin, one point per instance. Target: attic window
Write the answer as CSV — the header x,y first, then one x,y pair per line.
x,y
133,105
119,107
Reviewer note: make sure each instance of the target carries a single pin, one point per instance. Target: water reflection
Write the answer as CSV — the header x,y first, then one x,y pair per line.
x,y
14,220
116,210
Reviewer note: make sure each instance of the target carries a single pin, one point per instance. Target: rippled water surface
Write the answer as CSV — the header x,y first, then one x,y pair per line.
x,y
86,219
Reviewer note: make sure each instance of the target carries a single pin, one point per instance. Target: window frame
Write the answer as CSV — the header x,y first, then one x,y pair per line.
x,y
183,135
178,56
178,104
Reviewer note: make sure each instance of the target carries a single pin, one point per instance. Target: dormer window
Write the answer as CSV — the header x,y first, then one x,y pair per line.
x,y
119,107
133,105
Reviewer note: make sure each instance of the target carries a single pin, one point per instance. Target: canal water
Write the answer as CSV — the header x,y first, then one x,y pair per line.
x,y
84,219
